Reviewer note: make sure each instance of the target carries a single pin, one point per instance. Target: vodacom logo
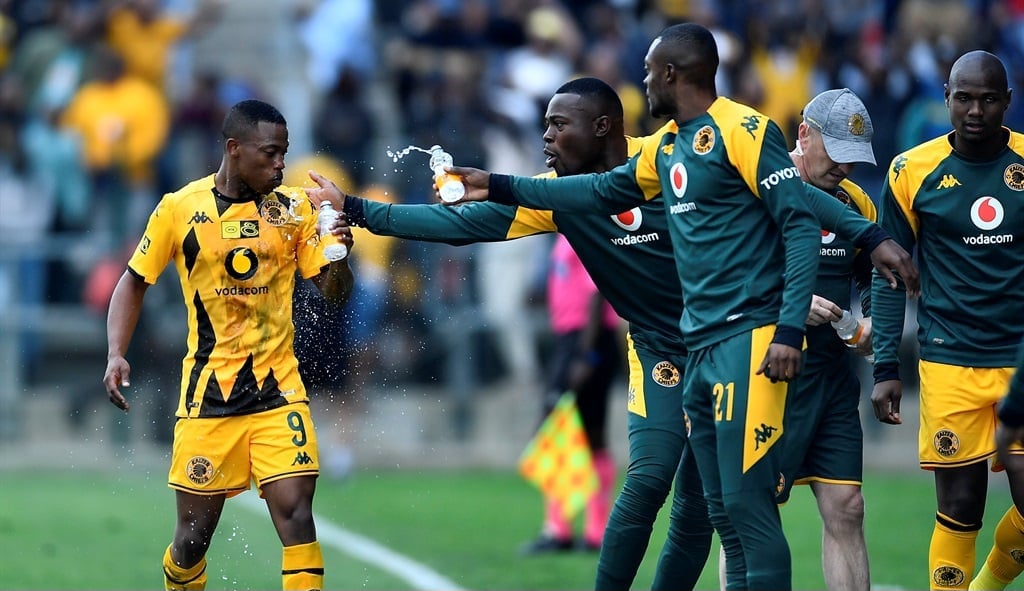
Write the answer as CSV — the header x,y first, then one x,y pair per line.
x,y
629,220
987,213
827,237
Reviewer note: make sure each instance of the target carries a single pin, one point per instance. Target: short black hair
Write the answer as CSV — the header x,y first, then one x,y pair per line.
x,y
244,116
597,90
692,48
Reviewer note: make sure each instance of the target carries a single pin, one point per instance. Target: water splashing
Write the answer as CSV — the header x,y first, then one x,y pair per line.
x,y
396,156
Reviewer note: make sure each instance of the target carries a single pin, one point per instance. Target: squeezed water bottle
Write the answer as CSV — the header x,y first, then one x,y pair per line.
x,y
449,185
851,331
334,250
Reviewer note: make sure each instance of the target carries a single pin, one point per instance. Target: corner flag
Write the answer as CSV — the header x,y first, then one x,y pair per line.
x,y
557,460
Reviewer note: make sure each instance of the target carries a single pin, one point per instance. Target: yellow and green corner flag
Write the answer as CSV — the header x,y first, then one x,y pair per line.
x,y
557,460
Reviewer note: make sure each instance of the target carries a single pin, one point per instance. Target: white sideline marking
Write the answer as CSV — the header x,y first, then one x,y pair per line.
x,y
362,548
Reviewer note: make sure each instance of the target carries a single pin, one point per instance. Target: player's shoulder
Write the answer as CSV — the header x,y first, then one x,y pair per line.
x,y
189,194
295,198
852,193
926,152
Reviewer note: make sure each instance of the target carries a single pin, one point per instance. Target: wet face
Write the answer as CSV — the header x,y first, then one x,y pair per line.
x,y
259,158
657,94
572,136
818,168
977,99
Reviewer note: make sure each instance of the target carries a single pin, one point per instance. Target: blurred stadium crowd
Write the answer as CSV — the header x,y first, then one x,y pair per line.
x,y
107,104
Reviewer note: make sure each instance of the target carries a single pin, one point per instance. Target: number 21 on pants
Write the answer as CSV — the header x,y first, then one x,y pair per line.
x,y
723,394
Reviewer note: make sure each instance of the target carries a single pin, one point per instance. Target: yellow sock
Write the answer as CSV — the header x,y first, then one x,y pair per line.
x,y
951,554
302,567
1006,559
183,579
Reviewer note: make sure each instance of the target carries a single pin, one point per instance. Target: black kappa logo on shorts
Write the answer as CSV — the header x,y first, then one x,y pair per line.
x,y
199,470
946,443
302,458
665,374
948,576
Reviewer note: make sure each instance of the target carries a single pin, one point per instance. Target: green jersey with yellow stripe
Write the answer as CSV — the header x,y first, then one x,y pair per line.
x,y
964,218
745,239
236,260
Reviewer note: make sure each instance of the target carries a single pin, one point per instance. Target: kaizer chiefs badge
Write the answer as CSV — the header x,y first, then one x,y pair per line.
x,y
1017,554
946,443
843,196
780,486
703,140
948,576
274,212
665,374
856,124
1013,176
199,470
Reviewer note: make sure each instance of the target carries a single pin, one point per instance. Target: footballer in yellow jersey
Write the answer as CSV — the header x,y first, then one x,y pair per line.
x,y
237,240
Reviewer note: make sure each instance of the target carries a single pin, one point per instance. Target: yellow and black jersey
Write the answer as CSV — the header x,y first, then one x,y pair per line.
x,y
236,260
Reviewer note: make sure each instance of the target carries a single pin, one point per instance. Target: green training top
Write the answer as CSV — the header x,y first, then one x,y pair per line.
x,y
963,216
746,239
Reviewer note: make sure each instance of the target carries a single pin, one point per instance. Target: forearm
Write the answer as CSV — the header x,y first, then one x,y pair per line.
x,y
888,309
466,224
835,216
123,314
800,272
335,282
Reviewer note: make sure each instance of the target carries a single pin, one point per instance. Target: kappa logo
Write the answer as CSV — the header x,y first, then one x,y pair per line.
x,y
665,374
703,140
629,220
751,123
200,217
763,434
946,443
302,459
987,213
199,470
948,576
948,182
898,164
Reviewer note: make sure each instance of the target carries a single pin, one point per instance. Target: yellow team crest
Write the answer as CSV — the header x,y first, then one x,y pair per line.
x,y
665,374
704,140
274,212
946,443
199,470
1013,176
856,124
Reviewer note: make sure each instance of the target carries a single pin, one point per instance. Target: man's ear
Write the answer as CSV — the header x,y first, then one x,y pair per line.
x,y
602,124
231,146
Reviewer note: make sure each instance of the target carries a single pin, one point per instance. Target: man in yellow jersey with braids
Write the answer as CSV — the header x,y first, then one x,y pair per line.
x,y
237,239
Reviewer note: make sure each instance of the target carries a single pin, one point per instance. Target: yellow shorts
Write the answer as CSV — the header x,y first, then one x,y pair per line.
x,y
958,413
215,456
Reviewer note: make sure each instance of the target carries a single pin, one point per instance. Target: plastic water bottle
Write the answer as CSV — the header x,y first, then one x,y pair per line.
x,y
448,185
850,330
334,250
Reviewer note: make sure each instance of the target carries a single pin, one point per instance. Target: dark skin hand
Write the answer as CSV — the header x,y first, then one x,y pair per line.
x,y
885,398
782,363
888,257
